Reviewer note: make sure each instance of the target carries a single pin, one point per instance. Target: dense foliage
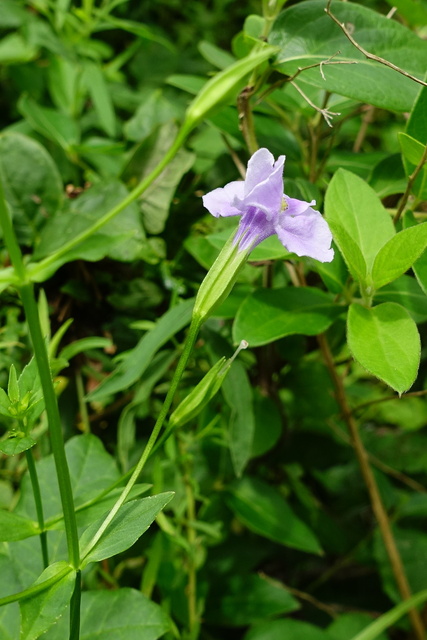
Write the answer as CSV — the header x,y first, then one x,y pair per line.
x,y
283,494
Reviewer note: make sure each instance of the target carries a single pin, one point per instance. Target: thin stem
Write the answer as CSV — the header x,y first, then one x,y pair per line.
x,y
131,197
51,404
39,505
84,416
409,186
368,55
75,608
188,346
246,119
193,621
372,487
54,420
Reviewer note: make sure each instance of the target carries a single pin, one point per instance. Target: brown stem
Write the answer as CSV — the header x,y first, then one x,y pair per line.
x,y
368,55
372,487
246,120
366,121
411,181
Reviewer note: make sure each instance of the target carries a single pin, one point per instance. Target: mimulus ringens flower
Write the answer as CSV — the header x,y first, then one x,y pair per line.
x,y
266,211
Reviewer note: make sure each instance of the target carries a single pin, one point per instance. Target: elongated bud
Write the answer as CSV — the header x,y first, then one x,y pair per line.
x,y
219,280
222,84
207,388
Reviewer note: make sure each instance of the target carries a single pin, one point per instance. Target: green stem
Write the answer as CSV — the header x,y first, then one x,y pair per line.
x,y
188,346
75,608
54,420
38,502
131,197
42,359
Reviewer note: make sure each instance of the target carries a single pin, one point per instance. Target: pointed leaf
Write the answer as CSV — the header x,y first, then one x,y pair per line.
x,y
398,254
270,314
132,520
263,510
41,611
14,527
352,204
385,341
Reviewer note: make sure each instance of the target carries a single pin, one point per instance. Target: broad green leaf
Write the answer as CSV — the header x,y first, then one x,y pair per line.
x,y
32,184
388,176
52,124
407,292
137,360
124,234
97,87
263,510
414,11
417,123
132,520
248,599
14,527
237,392
352,205
92,470
14,49
63,78
110,615
216,56
412,150
398,254
288,628
385,341
41,611
266,412
270,314
412,547
155,109
306,35
347,625
16,444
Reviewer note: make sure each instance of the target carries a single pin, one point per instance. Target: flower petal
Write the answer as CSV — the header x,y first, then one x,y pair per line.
x,y
297,207
264,183
222,201
306,235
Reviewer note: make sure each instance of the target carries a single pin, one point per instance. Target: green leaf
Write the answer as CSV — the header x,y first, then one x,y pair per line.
x,y
132,520
385,341
263,510
154,110
41,611
16,444
292,629
366,81
398,254
14,527
120,239
14,49
82,345
412,150
412,547
102,616
407,292
358,219
95,83
32,184
237,392
137,360
270,314
346,626
52,124
248,599
92,470
414,11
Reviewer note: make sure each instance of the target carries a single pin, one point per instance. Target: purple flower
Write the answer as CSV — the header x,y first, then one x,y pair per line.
x,y
266,210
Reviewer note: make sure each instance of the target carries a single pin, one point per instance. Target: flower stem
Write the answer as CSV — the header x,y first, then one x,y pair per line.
x,y
188,346
372,487
131,197
38,502
42,359
75,608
